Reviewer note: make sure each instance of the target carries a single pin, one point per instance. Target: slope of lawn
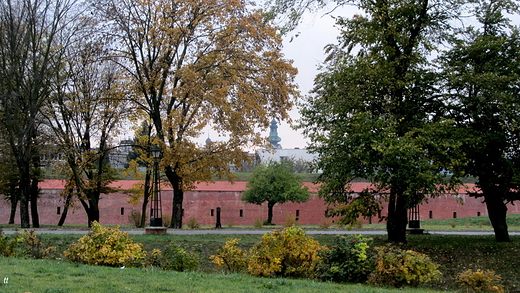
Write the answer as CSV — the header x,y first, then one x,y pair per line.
x,y
455,253
27,275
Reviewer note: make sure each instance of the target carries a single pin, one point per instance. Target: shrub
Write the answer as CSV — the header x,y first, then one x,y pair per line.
x,y
396,267
135,218
290,220
152,258
34,247
258,223
453,224
166,220
176,258
231,258
325,223
285,253
480,281
193,223
9,244
349,260
105,246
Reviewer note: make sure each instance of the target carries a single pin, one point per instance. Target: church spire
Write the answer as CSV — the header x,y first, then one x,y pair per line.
x,y
274,139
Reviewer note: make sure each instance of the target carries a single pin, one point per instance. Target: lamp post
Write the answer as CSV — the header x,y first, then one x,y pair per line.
x,y
156,207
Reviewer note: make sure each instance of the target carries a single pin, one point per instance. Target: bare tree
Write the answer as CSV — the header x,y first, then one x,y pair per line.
x,y
28,50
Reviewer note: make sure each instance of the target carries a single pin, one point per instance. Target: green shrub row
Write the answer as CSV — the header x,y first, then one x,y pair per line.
x,y
291,253
282,253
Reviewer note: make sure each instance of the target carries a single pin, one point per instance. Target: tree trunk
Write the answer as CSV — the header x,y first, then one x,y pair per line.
x,y
178,197
91,206
66,206
24,200
270,206
93,215
146,197
34,203
14,205
497,211
397,218
177,213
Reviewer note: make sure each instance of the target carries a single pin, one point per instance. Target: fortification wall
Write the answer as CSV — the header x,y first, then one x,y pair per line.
x,y
202,204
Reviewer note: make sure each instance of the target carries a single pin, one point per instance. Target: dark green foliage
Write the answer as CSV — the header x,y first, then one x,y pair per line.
x,y
481,75
274,183
374,113
348,260
176,258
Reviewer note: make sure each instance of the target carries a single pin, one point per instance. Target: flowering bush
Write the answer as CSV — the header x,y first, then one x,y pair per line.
x,y
285,253
349,260
397,267
105,246
480,281
230,257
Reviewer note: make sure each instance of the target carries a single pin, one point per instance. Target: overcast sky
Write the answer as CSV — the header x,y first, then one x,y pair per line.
x,y
315,32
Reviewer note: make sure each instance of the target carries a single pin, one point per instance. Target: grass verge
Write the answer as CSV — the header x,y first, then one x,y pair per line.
x,y
455,253
27,275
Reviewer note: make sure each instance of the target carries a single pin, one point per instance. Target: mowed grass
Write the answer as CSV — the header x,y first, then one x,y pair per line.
x,y
27,275
455,254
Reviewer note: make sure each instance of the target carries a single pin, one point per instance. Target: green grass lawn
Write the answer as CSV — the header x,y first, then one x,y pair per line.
x,y
454,253
27,275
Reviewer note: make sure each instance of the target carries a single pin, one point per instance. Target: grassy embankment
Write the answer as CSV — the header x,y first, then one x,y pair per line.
x,y
455,254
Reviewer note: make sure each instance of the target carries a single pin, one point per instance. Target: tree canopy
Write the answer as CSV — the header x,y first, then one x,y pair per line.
x,y
374,113
481,74
273,182
197,65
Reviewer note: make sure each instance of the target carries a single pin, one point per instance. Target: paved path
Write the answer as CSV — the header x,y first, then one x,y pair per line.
x,y
247,231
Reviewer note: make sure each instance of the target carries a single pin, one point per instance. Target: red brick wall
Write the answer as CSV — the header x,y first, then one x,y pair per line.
x,y
115,209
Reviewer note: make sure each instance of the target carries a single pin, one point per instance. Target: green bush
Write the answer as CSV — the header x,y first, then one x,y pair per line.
x,y
34,247
480,281
285,253
396,267
176,258
348,260
105,246
231,258
9,245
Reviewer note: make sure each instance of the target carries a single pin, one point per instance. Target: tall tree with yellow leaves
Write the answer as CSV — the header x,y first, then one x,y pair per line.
x,y
196,65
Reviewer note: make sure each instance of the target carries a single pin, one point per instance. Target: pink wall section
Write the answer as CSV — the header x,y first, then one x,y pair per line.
x,y
199,203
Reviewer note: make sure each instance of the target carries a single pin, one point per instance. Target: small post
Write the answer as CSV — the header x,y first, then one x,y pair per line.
x,y
218,225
